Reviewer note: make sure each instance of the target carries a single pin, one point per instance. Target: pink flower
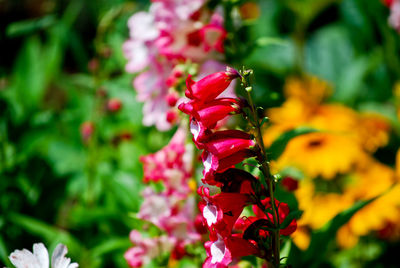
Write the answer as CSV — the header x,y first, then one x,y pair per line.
x,y
213,37
137,54
146,249
389,2
156,207
172,98
210,86
171,165
87,129
151,90
394,18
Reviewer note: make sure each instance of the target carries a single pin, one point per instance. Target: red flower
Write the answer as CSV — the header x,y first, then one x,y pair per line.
x,y
208,114
227,142
210,86
235,180
213,164
222,210
290,184
388,2
172,98
223,250
283,212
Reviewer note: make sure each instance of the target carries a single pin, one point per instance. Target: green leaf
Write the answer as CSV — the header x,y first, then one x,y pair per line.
x,y
295,214
111,245
267,41
28,26
4,253
279,145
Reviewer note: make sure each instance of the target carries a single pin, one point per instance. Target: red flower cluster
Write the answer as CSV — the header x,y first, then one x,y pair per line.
x,y
222,151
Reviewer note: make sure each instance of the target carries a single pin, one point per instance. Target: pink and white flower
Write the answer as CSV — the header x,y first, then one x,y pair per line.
x,y
171,33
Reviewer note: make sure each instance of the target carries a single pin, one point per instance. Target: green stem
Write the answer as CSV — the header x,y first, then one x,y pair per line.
x,y
3,144
266,179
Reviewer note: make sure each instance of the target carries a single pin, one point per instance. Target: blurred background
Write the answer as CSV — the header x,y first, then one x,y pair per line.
x,y
71,130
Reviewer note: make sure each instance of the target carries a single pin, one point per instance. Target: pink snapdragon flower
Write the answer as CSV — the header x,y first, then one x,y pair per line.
x,y
394,18
171,165
146,249
172,210
170,33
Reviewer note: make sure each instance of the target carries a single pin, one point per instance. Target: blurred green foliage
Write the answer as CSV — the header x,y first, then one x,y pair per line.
x,y
54,187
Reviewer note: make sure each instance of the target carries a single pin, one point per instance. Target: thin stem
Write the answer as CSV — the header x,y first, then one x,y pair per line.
x,y
266,180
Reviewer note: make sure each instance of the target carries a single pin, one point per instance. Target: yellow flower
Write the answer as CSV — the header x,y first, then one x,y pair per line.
x,y
301,237
372,131
292,114
308,89
319,208
398,165
304,107
375,215
335,118
336,162
321,154
370,180
346,238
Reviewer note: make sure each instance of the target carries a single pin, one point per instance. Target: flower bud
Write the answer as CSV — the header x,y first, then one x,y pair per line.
x,y
114,105
87,129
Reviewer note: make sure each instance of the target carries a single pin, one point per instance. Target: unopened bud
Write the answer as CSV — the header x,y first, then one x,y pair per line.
x,y
114,105
87,129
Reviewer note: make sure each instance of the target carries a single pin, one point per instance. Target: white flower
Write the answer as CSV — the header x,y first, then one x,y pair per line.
x,y
40,257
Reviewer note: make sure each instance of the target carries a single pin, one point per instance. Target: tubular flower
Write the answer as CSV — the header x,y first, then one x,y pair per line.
x,y
211,112
223,250
222,210
213,164
222,151
227,142
211,86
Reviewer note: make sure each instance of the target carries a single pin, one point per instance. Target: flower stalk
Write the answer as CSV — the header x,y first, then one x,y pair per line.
x,y
266,180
